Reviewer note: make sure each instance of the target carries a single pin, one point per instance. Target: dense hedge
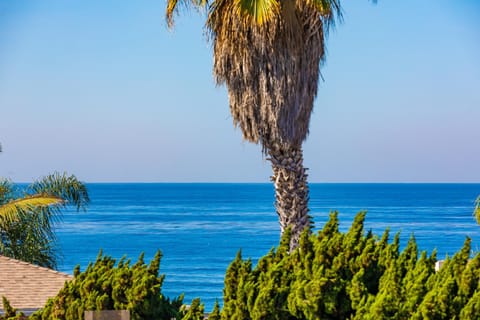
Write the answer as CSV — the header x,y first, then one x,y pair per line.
x,y
331,275
352,275
106,286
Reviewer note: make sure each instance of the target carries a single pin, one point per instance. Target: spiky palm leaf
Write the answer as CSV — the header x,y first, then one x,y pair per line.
x,y
258,11
172,8
12,210
63,186
26,222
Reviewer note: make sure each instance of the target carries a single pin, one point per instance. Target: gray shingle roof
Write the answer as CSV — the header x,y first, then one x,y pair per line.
x,y
28,286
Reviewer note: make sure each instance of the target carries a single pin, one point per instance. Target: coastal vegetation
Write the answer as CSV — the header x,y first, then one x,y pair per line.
x,y
268,53
10,313
353,275
27,216
330,275
107,285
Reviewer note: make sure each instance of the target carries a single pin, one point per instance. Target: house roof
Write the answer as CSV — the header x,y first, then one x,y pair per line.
x,y
27,286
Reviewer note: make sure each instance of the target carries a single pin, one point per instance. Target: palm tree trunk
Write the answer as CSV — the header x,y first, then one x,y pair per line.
x,y
291,190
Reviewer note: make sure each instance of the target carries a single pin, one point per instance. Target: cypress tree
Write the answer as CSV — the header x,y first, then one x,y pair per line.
x,y
408,257
195,311
388,299
335,275
444,299
414,285
357,290
215,314
472,309
470,278
236,289
9,311
231,286
104,286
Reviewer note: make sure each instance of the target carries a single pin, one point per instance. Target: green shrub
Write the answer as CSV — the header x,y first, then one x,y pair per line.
x,y
106,286
10,313
215,314
193,312
352,275
331,275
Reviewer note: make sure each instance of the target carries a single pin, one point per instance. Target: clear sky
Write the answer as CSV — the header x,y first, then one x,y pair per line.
x,y
103,90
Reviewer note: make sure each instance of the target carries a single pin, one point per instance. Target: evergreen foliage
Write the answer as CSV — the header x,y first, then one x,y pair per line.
x,y
195,311
10,313
215,314
352,275
331,275
106,286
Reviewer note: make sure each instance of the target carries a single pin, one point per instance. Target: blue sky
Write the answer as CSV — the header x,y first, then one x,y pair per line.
x,y
103,90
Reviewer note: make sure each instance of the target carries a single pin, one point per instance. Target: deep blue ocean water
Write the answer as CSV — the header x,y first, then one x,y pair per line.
x,y
200,227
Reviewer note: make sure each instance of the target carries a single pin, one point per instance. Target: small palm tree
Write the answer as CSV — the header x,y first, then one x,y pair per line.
x,y
269,53
27,217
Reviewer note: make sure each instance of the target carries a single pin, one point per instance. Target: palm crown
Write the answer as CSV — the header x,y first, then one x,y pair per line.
x,y
268,53
27,217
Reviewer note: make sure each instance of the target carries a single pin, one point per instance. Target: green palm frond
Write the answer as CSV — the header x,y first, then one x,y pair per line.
x,y
172,8
476,212
11,211
329,10
257,11
63,186
30,238
6,191
27,221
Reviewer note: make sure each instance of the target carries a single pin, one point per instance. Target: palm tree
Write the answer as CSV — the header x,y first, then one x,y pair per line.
x,y
269,53
27,217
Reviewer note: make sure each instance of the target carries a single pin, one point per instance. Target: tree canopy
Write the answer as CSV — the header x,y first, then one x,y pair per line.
x,y
353,275
110,285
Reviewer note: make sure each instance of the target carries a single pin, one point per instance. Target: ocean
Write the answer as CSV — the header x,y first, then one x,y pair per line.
x,y
200,227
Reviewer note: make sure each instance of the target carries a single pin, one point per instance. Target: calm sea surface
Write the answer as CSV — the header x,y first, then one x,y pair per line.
x,y
200,227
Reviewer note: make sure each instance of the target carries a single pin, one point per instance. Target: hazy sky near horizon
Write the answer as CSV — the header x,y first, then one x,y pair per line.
x,y
103,90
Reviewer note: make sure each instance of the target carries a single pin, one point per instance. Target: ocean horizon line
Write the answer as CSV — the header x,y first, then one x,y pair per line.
x,y
269,183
